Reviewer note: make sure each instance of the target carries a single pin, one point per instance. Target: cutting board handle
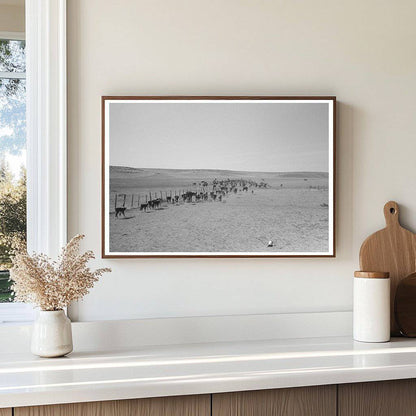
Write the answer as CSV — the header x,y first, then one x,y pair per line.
x,y
391,213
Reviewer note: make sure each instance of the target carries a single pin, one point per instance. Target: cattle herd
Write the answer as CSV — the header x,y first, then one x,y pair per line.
x,y
202,191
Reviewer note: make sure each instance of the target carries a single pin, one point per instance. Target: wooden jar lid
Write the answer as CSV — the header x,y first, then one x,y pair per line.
x,y
372,275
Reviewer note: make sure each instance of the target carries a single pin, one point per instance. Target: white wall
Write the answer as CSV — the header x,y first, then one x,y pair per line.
x,y
361,51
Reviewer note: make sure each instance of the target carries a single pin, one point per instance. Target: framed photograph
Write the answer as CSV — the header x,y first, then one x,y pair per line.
x,y
218,176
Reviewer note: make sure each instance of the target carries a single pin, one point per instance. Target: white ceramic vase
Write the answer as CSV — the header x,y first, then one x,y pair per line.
x,y
52,334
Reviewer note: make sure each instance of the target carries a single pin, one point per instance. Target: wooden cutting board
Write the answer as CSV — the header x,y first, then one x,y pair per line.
x,y
392,250
405,306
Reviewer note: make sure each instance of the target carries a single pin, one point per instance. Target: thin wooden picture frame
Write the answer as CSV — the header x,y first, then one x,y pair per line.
x,y
105,169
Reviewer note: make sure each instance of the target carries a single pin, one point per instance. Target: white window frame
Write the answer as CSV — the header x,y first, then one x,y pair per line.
x,y
12,35
46,123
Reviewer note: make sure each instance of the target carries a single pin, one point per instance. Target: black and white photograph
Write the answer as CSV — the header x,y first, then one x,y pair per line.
x,y
218,176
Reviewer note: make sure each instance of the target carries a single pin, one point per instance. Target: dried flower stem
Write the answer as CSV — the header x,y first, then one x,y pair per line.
x,y
53,285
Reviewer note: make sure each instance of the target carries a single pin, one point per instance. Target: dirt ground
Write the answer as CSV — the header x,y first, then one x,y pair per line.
x,y
294,217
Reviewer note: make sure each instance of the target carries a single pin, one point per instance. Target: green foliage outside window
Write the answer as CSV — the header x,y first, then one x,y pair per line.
x,y
12,146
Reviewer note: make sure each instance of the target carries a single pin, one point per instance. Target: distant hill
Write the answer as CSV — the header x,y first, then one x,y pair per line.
x,y
126,179
125,171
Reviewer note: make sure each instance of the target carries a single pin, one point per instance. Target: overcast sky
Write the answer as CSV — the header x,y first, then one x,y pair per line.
x,y
269,137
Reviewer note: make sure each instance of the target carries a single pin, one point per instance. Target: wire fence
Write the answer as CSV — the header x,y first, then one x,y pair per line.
x,y
137,200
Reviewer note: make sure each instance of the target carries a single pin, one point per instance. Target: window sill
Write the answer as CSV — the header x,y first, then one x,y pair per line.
x,y
16,313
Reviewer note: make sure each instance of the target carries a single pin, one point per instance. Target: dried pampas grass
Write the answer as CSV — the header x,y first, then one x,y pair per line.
x,y
52,285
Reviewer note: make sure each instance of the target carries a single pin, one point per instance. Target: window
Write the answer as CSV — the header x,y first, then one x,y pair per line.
x,y
37,141
12,155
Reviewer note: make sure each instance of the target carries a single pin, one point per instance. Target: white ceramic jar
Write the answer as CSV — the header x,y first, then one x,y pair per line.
x,y
52,334
371,308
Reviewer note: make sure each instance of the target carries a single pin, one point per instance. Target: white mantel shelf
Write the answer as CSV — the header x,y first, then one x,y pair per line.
x,y
200,368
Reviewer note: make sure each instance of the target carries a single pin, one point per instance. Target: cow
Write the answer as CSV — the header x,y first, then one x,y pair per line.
x,y
156,203
120,211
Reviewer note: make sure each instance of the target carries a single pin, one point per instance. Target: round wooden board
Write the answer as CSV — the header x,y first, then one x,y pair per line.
x,y
405,306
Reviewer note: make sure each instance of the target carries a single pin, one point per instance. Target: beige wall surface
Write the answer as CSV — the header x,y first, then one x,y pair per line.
x,y
12,18
361,51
